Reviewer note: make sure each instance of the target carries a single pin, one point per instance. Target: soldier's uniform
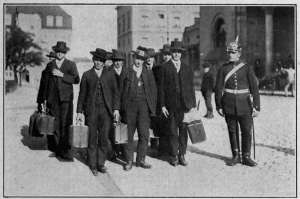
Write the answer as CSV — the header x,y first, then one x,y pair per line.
x,y
234,97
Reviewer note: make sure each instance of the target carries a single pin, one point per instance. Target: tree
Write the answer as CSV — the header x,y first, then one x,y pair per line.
x,y
21,49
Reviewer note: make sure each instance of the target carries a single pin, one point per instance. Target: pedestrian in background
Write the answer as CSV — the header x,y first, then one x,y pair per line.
x,y
207,88
98,103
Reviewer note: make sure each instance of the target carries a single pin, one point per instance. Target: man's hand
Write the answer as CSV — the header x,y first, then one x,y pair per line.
x,y
220,111
255,113
80,117
116,115
57,73
165,111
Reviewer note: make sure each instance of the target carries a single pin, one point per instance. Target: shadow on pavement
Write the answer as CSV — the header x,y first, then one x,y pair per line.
x,y
287,151
34,143
194,149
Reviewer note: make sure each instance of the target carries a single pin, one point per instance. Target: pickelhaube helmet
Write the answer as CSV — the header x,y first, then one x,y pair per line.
x,y
234,46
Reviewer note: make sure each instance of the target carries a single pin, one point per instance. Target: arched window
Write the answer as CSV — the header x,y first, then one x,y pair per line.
x,y
219,35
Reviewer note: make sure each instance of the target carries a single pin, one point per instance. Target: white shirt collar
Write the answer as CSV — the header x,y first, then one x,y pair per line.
x,y
118,70
59,62
99,72
177,64
137,70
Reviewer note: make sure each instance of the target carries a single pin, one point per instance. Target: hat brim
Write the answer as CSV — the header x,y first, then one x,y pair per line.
x,y
63,50
95,57
177,50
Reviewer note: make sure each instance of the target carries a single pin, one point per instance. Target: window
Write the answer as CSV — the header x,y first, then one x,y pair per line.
x,y
59,21
145,16
177,18
8,19
145,38
123,18
50,21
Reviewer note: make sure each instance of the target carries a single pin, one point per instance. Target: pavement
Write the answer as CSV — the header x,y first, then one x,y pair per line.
x,y
31,170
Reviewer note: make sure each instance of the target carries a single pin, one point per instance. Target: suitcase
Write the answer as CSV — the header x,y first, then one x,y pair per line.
x,y
45,124
79,135
196,131
33,130
120,133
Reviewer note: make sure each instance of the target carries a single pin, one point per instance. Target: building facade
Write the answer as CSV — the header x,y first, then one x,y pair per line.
x,y
49,24
265,33
151,26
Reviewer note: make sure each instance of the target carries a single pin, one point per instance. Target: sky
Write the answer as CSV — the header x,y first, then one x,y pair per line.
x,y
94,26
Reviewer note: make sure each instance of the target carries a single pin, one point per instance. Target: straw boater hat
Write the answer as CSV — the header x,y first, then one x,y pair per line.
x,y
140,53
234,46
60,46
99,54
117,55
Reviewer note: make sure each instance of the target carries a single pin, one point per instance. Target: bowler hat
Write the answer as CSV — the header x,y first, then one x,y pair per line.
x,y
99,54
166,49
150,52
51,54
140,53
60,46
176,46
117,55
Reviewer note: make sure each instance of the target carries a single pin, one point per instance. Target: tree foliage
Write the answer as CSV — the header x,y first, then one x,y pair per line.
x,y
21,48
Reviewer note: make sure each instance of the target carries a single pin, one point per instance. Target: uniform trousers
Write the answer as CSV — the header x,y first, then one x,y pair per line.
x,y
246,124
138,117
99,123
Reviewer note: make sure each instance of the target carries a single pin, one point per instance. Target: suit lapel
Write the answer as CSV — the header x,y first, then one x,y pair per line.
x,y
145,78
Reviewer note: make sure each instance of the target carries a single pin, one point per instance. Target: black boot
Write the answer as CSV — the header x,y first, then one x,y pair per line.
x,y
235,159
128,166
248,161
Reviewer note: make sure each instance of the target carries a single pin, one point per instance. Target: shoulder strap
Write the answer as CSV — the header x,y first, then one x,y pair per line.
x,y
228,75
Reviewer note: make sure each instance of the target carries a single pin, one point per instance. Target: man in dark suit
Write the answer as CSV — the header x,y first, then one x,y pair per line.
x,y
120,73
235,84
98,103
60,76
177,96
139,103
207,88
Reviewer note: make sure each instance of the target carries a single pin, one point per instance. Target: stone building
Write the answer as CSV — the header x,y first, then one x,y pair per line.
x,y
48,23
266,33
151,26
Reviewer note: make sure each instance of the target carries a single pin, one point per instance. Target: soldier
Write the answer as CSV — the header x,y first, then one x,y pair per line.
x,y
60,76
207,88
98,102
177,96
235,83
139,103
120,73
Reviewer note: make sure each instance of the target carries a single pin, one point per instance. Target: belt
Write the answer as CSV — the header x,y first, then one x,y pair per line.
x,y
235,91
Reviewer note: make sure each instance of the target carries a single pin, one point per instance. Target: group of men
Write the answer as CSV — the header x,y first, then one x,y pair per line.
x,y
143,96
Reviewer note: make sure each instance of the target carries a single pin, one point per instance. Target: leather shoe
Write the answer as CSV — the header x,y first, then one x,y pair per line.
x,y
174,162
235,160
94,172
128,166
248,161
182,160
102,169
66,157
143,164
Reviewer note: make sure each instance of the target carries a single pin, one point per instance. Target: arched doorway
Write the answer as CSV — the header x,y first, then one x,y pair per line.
x,y
219,33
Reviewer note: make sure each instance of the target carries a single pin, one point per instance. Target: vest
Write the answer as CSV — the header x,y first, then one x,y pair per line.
x,y
99,93
140,92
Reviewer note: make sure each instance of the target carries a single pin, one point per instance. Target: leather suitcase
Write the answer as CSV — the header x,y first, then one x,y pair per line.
x,y
33,131
79,135
45,124
120,133
196,131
